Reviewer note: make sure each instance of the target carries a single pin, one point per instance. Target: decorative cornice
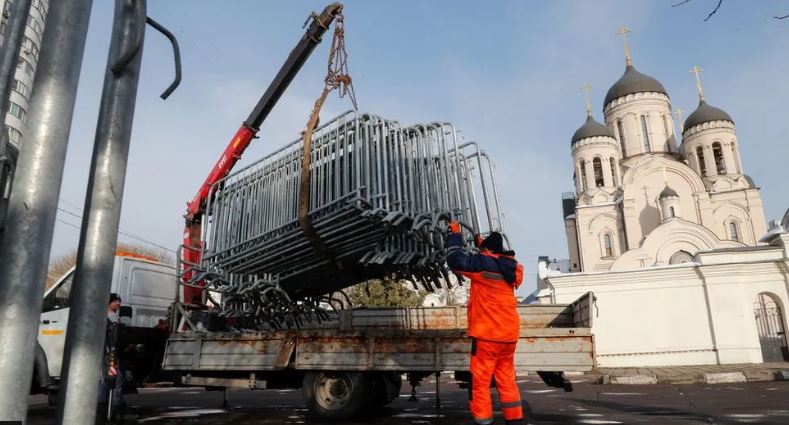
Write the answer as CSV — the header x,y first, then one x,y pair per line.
x,y
634,96
711,125
596,140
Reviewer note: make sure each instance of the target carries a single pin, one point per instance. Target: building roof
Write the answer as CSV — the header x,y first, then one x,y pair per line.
x,y
591,128
667,192
705,113
632,82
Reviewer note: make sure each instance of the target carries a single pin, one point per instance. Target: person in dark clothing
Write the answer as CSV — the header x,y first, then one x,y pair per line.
x,y
493,322
111,378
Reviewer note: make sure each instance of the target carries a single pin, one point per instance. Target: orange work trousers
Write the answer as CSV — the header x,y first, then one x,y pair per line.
x,y
490,359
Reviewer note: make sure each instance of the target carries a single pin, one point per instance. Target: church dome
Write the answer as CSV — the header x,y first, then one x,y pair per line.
x,y
632,82
667,193
705,113
591,128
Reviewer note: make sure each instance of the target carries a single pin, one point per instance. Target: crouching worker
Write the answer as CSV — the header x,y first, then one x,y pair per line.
x,y
493,323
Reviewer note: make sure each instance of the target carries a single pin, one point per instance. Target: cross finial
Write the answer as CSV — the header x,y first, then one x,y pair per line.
x,y
679,117
586,87
623,32
665,177
696,70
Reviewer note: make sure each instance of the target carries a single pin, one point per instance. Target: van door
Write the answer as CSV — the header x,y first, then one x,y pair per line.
x,y
54,320
149,288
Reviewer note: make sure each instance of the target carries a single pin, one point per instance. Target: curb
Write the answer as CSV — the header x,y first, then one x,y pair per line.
x,y
696,378
724,378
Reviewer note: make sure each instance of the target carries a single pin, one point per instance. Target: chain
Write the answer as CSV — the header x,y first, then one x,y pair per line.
x,y
337,76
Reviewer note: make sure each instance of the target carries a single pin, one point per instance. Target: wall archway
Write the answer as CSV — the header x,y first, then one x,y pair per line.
x,y
769,316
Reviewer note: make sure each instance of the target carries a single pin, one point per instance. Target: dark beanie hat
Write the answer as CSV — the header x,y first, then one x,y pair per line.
x,y
494,242
114,297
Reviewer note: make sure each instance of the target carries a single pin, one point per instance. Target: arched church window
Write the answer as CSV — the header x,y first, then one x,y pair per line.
x,y
612,161
609,251
671,212
621,136
645,133
717,153
702,164
665,130
597,166
582,164
734,233
734,158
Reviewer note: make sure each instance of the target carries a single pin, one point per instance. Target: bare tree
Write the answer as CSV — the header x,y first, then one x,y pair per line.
x,y
715,10
62,264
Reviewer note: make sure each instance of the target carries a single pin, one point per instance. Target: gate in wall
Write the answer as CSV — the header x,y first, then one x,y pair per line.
x,y
770,323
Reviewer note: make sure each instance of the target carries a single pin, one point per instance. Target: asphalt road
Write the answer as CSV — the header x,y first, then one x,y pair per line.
x,y
757,403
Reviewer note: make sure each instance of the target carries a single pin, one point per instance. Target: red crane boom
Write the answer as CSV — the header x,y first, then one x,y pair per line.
x,y
192,246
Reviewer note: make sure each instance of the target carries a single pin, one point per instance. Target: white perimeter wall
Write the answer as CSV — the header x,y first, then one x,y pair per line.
x,y
693,314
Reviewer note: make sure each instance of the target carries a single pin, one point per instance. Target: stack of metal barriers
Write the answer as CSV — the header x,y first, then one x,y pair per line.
x,y
381,196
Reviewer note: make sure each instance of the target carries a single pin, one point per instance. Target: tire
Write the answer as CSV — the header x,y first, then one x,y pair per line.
x,y
386,388
335,396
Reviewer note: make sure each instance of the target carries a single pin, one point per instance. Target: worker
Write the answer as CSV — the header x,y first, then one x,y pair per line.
x,y
493,322
111,378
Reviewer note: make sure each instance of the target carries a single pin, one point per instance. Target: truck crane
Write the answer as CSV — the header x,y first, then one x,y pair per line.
x,y
195,211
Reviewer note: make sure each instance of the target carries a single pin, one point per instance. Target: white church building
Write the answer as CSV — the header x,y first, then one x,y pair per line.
x,y
666,231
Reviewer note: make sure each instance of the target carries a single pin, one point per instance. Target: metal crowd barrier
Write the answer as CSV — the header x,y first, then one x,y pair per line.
x,y
381,195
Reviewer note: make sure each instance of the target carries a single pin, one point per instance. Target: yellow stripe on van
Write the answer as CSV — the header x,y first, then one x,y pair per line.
x,y
52,332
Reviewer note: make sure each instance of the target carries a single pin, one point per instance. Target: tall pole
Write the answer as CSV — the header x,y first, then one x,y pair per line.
x,y
9,56
82,358
26,240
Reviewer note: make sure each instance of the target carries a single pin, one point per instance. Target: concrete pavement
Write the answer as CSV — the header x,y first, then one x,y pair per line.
x,y
759,402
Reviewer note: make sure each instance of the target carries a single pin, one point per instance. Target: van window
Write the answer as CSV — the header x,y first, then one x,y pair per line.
x,y
58,298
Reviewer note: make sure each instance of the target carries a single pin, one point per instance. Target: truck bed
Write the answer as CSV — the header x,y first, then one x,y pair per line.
x,y
552,338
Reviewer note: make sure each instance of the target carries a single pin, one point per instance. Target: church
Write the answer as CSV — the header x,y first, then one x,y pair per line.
x,y
644,198
669,234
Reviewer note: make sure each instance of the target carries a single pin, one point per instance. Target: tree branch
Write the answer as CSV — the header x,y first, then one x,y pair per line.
x,y
680,3
781,17
714,10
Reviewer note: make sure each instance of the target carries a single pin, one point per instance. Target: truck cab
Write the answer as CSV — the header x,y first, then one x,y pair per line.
x,y
146,288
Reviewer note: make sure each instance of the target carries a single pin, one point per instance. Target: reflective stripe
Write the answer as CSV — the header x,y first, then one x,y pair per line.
x,y
52,332
508,404
484,421
492,276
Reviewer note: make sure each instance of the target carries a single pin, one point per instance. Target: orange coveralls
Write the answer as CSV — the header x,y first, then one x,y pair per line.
x,y
493,325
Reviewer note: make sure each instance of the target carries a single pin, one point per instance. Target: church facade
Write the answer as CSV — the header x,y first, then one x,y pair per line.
x,y
645,197
668,232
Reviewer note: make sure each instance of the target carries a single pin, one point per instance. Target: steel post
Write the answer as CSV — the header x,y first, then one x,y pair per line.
x,y
26,241
82,357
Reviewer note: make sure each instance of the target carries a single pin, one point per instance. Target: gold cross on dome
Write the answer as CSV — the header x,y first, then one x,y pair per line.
x,y
586,87
696,70
623,32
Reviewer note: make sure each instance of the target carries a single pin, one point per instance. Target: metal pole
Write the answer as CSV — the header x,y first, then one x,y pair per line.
x,y
82,358
9,56
25,243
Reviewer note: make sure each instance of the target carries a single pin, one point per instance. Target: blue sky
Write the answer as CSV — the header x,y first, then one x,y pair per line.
x,y
508,73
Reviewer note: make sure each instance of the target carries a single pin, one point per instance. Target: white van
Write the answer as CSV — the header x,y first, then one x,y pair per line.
x,y
145,285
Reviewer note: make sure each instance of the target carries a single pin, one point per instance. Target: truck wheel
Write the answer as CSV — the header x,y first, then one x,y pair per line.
x,y
386,387
335,395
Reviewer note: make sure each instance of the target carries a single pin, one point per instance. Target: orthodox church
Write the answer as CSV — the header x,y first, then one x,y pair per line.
x,y
645,197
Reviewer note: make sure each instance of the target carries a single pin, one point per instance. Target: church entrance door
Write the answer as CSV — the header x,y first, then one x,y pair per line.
x,y
770,323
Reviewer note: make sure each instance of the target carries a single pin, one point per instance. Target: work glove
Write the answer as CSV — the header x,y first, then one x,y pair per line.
x,y
454,227
478,239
